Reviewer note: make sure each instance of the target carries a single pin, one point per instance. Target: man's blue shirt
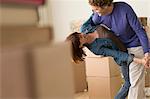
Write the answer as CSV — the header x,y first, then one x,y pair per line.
x,y
124,23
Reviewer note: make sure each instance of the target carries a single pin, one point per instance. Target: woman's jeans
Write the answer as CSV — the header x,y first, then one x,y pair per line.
x,y
123,92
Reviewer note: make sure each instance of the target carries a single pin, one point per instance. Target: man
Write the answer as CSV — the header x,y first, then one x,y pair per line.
x,y
120,18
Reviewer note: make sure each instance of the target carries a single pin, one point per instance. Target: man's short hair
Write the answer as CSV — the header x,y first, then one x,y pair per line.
x,y
100,3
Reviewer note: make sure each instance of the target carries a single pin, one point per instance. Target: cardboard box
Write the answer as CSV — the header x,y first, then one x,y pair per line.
x,y
16,76
13,36
53,72
103,87
103,76
102,67
147,78
79,77
40,73
18,15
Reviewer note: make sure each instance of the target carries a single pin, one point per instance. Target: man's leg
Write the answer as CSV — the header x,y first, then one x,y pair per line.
x,y
137,77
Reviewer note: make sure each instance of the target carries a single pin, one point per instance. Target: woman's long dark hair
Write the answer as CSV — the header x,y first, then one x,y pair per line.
x,y
78,53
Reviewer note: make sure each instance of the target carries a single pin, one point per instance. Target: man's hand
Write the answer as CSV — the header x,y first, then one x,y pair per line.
x,y
147,59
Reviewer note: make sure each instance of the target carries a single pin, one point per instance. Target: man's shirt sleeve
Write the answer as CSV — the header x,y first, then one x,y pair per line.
x,y
137,27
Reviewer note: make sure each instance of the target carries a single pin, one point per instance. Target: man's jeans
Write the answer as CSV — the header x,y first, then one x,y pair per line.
x,y
123,92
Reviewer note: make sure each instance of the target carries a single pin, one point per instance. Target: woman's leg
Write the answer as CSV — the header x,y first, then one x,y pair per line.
x,y
121,58
123,92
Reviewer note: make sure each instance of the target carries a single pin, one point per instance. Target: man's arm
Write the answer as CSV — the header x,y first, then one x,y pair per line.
x,y
138,28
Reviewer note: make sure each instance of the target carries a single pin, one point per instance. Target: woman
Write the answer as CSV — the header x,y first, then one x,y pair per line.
x,y
106,48
122,20
100,43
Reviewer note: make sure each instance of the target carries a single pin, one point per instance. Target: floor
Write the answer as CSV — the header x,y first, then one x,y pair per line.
x,y
84,95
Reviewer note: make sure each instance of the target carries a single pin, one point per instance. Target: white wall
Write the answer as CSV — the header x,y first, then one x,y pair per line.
x,y
45,14
64,11
141,7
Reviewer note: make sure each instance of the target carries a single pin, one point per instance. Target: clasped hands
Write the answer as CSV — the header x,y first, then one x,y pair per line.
x,y
147,60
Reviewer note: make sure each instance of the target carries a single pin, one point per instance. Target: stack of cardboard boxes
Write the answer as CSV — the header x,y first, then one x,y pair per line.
x,y
145,21
147,76
53,72
40,72
103,77
31,66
